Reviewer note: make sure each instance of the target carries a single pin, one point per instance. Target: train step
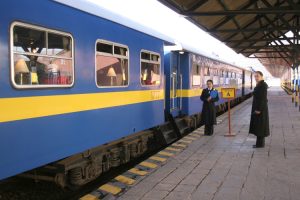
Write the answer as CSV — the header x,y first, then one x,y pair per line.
x,y
166,134
182,126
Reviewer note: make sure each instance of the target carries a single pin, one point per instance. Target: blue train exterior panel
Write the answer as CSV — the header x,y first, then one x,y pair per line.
x,y
29,143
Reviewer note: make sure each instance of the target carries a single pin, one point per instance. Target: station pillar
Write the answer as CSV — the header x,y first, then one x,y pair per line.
x,y
296,87
293,85
298,73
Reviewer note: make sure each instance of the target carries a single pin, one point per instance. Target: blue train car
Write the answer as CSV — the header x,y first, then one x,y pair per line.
x,y
69,82
186,76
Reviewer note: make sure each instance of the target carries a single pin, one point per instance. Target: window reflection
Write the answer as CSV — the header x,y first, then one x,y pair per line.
x,y
41,57
150,68
111,71
196,75
59,45
111,65
29,40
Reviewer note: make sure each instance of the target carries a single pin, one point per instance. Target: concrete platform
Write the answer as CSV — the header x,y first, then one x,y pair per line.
x,y
222,168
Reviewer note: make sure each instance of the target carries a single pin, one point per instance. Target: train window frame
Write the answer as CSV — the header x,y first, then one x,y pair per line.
x,y
207,71
220,73
198,73
47,31
149,61
114,55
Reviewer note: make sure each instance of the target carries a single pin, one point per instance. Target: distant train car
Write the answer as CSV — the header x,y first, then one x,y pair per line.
x,y
80,94
186,75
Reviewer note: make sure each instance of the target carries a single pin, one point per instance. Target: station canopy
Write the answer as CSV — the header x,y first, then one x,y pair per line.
x,y
263,29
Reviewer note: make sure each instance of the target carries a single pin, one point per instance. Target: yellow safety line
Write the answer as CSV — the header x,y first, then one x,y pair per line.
x,y
156,158
110,189
186,141
138,172
195,135
190,138
164,153
198,132
179,145
173,149
148,164
89,197
125,180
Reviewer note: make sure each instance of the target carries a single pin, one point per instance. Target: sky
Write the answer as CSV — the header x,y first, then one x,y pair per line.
x,y
153,14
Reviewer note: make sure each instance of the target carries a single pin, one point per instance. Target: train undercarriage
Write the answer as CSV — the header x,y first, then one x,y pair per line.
x,y
79,169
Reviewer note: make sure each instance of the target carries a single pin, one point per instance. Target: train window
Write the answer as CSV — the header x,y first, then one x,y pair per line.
x,y
196,76
220,73
112,63
59,45
215,72
150,68
42,58
105,48
145,56
155,58
206,71
196,69
120,51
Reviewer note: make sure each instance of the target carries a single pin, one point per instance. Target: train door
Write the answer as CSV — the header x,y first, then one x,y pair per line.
x,y
175,85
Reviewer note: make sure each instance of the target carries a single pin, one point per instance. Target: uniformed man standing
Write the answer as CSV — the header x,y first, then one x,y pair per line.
x,y
208,116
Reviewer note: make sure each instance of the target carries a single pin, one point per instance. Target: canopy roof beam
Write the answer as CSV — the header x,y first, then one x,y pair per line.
x,y
228,18
260,11
255,33
260,40
256,28
256,18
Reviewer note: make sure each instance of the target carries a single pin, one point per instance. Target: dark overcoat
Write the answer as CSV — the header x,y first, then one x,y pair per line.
x,y
208,115
259,123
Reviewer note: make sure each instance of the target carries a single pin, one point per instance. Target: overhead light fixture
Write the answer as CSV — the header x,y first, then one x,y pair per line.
x,y
181,52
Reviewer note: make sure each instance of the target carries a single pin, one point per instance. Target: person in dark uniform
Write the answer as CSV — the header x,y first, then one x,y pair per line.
x,y
259,123
208,116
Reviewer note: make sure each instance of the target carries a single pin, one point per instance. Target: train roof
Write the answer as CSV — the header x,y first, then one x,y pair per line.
x,y
99,11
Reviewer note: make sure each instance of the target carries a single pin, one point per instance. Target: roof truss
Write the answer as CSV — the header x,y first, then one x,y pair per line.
x,y
249,26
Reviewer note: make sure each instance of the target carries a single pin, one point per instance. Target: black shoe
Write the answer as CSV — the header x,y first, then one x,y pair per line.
x,y
255,146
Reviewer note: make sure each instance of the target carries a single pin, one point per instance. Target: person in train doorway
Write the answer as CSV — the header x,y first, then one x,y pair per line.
x,y
259,123
208,116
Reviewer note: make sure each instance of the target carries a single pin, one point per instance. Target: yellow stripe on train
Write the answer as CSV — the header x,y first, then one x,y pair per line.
x,y
19,108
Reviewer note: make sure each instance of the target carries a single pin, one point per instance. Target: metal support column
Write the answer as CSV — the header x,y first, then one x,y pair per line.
x,y
296,86
293,85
